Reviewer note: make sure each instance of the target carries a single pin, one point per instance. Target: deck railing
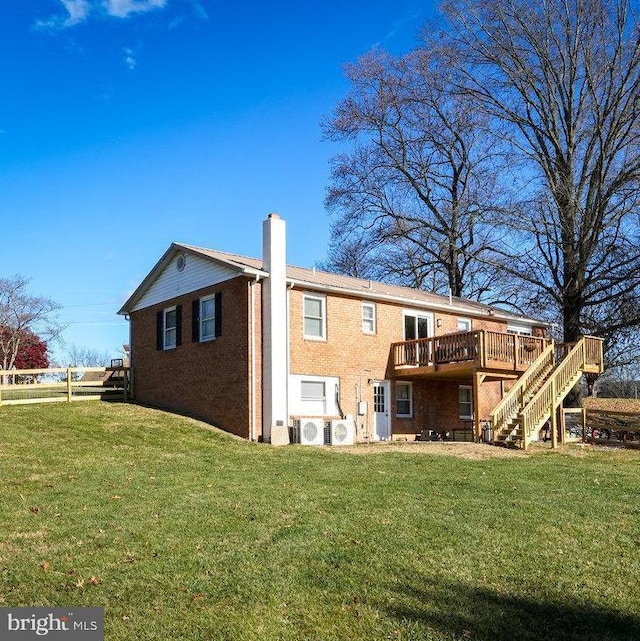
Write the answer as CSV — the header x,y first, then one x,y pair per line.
x,y
593,354
481,348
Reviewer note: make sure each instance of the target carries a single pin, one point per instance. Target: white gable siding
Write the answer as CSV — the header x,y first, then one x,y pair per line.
x,y
171,283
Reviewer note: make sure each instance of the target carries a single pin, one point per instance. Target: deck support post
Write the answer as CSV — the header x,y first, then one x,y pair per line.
x,y
554,415
477,382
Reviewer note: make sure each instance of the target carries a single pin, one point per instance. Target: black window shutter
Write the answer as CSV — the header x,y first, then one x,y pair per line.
x,y
218,314
160,330
178,325
195,320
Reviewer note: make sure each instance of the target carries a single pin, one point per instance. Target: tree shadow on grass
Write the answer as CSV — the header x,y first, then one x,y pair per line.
x,y
464,611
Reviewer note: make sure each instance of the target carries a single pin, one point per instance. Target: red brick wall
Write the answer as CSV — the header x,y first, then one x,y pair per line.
x,y
355,357
435,406
210,380
359,358
213,380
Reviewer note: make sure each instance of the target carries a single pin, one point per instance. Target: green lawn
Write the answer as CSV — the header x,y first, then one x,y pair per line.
x,y
180,532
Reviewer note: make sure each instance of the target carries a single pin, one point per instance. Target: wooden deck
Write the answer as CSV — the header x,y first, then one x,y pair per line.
x,y
546,372
497,354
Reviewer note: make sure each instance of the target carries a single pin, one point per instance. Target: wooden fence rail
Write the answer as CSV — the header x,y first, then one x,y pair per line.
x,y
63,384
606,425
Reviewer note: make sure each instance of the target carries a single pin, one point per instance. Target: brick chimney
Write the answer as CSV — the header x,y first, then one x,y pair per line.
x,y
275,374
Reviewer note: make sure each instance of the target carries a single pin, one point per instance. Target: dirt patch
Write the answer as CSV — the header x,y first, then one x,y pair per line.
x,y
471,451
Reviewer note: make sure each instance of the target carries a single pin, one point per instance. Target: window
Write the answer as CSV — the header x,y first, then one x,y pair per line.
x,y
314,316
465,401
416,326
169,327
313,397
464,324
404,399
207,319
379,401
368,318
517,328
312,390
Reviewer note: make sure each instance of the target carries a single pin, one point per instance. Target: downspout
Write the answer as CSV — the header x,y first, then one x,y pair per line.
x,y
252,322
342,414
128,394
289,288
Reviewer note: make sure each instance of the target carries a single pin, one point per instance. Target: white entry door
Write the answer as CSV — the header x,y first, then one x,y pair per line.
x,y
381,411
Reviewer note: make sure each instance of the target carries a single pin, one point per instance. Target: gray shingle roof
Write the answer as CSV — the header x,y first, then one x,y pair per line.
x,y
311,278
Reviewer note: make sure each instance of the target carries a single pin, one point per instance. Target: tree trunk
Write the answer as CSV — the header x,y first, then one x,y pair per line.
x,y
572,309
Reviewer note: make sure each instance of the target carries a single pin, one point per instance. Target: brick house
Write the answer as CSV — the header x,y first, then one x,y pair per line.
x,y
265,350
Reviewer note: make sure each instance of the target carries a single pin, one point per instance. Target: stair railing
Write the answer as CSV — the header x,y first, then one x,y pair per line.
x,y
549,397
512,403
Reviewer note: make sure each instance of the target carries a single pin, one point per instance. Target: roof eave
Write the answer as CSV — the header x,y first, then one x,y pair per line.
x,y
165,259
414,302
147,281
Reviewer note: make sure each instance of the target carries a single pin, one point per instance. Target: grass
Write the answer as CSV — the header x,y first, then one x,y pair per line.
x,y
181,532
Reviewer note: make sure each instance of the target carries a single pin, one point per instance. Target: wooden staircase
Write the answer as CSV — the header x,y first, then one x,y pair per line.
x,y
539,392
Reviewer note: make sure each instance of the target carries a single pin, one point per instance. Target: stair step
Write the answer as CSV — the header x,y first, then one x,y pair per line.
x,y
516,444
508,432
505,436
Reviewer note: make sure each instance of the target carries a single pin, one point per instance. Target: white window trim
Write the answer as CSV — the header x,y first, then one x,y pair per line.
x,y
299,406
464,416
519,328
418,314
323,312
410,386
365,321
314,398
203,338
464,320
166,328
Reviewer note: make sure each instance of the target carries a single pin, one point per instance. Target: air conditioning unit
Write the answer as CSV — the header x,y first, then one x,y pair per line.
x,y
311,431
343,432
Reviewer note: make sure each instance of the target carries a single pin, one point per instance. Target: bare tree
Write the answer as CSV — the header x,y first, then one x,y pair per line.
x,y
560,82
21,315
412,195
79,356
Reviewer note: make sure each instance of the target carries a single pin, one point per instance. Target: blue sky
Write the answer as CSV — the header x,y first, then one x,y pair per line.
x,y
128,124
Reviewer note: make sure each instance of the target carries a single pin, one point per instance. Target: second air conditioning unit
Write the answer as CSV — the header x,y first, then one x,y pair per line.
x,y
311,431
342,432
